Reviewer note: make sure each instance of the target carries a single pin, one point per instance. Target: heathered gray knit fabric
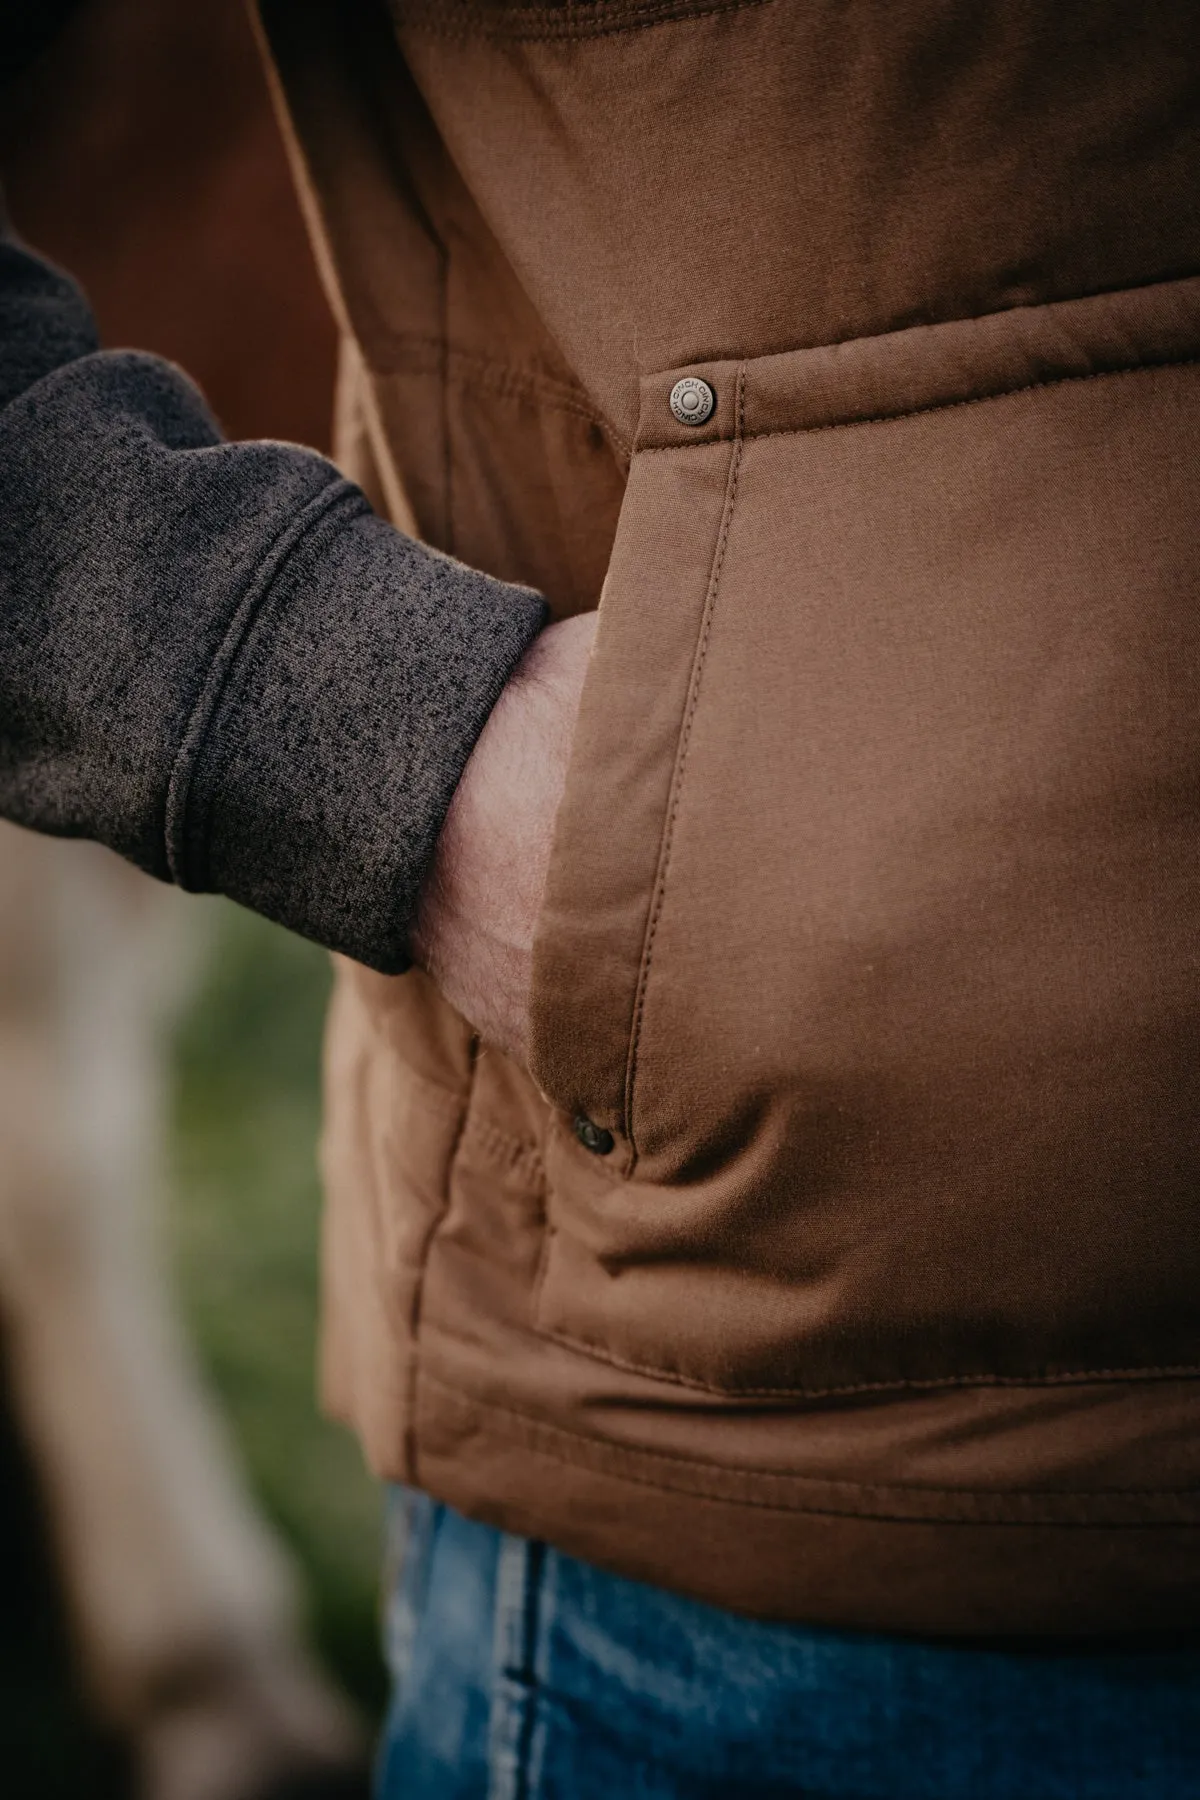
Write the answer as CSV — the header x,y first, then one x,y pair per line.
x,y
214,657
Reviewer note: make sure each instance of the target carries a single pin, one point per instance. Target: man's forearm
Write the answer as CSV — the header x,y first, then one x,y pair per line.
x,y
214,657
481,901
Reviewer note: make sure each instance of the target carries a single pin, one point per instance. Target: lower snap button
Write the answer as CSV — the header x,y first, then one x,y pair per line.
x,y
593,1137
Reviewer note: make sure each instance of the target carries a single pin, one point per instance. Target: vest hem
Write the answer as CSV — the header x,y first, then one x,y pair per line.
x,y
776,1490
875,1571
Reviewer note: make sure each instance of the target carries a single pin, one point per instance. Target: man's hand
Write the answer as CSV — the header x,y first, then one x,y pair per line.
x,y
481,898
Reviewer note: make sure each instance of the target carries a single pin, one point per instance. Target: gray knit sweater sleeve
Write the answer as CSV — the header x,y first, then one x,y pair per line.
x,y
214,657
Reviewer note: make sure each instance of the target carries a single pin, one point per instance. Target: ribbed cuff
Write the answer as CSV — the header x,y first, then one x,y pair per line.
x,y
323,755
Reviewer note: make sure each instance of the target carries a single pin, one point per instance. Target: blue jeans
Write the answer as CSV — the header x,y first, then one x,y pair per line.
x,y
521,1674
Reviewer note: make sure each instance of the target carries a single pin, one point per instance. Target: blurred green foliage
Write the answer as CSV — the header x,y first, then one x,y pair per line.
x,y
243,1225
245,1228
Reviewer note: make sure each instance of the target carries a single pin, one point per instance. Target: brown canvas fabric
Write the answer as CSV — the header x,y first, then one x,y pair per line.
x,y
870,935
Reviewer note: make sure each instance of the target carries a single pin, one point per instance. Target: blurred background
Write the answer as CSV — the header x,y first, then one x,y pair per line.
x,y
139,150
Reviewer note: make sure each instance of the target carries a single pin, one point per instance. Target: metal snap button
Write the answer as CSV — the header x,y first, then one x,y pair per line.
x,y
593,1137
692,400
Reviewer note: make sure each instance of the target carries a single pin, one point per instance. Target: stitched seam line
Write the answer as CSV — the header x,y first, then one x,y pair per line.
x,y
449,1100
541,1274
521,1160
469,371
692,439
677,775
185,837
474,24
879,1514
437,1094
502,383
417,1303
916,412
538,1431
902,1384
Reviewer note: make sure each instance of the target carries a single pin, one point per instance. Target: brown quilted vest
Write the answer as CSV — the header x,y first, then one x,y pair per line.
x,y
872,939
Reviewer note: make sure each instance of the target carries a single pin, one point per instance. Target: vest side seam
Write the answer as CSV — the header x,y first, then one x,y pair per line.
x,y
470,371
417,1304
